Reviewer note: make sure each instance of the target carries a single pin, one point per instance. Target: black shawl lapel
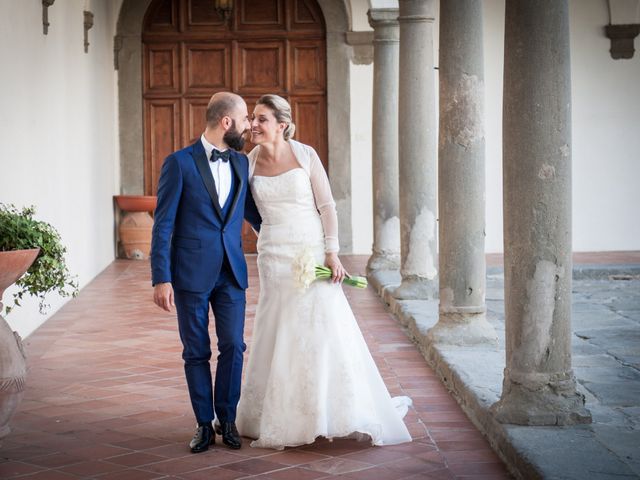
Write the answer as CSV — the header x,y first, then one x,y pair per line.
x,y
200,157
235,167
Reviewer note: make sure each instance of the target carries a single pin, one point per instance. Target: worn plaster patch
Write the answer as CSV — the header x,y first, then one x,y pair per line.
x,y
536,338
446,298
546,171
463,114
389,234
565,150
420,259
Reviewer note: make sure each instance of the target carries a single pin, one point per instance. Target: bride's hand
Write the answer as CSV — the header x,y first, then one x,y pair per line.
x,y
337,270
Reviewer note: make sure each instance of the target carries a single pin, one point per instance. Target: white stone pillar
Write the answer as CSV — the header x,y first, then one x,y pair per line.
x,y
461,183
539,386
417,151
386,217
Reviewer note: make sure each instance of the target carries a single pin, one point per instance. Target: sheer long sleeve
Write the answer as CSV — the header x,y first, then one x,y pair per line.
x,y
324,201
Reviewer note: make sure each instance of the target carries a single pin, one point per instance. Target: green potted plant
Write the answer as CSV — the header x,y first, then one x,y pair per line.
x,y
31,246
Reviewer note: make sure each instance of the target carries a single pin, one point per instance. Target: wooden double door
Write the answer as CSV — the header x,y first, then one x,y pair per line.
x,y
191,51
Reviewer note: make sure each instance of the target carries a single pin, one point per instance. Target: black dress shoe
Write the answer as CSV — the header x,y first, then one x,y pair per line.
x,y
203,438
230,435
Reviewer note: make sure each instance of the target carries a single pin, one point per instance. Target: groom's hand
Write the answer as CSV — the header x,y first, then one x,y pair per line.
x,y
163,296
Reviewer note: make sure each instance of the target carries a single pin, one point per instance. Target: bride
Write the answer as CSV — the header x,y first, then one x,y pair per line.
x,y
309,370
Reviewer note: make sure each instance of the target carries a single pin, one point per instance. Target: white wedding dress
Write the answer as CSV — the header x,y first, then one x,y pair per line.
x,y
309,371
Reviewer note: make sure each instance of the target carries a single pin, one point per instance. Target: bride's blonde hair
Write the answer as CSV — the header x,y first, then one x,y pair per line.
x,y
281,110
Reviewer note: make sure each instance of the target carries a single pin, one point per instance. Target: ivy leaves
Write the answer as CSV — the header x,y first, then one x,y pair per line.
x,y
19,230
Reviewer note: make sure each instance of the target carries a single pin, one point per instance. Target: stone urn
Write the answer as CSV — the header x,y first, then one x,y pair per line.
x,y
13,366
136,224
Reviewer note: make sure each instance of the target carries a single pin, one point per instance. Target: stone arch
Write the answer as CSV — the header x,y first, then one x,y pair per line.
x,y
128,60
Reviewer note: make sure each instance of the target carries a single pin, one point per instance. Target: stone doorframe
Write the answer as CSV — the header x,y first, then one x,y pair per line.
x,y
128,62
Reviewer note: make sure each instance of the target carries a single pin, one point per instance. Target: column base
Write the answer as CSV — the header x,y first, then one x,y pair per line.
x,y
463,329
536,402
416,288
383,261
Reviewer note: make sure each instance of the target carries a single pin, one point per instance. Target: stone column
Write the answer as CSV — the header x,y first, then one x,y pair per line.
x,y
417,151
461,183
386,218
539,386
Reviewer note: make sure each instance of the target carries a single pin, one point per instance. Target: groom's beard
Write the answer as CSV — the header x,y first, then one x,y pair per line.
x,y
233,137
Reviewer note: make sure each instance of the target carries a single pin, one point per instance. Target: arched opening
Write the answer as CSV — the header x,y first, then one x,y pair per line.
x,y
337,136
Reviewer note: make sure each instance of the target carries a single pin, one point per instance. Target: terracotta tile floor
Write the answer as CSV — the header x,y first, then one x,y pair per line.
x,y
106,399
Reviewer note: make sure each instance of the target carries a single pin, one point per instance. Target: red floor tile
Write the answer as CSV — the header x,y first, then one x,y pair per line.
x,y
12,469
295,457
55,460
337,466
376,473
293,473
92,468
49,475
135,459
254,466
214,473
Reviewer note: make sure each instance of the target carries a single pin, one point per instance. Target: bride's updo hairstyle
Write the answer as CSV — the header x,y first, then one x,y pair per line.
x,y
281,110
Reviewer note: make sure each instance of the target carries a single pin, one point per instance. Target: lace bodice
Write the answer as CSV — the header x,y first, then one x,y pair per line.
x,y
284,198
298,194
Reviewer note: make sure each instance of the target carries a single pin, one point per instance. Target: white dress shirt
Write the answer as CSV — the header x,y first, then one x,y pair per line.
x,y
220,170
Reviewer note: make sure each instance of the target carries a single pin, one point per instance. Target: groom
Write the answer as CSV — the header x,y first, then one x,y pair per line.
x,y
197,261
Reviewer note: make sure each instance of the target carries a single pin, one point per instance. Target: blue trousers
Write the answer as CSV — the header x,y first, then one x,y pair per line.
x,y
228,302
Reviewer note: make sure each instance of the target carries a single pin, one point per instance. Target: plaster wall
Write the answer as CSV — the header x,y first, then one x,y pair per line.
x,y
382,3
493,32
361,181
58,132
606,134
359,21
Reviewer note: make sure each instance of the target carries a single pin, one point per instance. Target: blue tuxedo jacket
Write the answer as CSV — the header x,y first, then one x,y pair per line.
x,y
191,236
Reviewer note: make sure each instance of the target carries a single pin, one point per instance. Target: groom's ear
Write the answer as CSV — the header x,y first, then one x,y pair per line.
x,y
226,122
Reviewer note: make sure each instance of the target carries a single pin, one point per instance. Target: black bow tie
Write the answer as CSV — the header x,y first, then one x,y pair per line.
x,y
218,155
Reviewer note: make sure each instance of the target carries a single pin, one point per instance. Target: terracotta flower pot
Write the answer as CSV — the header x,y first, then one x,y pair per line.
x,y
136,224
13,366
136,203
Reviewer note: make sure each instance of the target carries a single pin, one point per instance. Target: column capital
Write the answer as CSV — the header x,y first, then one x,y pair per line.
x,y
417,11
362,45
385,24
382,16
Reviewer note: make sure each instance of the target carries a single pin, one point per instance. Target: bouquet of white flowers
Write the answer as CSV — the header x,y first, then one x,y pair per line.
x,y
306,270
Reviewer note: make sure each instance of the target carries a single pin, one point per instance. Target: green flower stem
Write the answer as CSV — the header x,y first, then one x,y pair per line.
x,y
323,272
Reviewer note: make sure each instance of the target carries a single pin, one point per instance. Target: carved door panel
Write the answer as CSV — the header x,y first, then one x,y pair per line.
x,y
265,46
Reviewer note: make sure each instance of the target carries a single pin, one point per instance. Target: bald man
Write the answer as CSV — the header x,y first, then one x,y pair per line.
x,y
197,261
